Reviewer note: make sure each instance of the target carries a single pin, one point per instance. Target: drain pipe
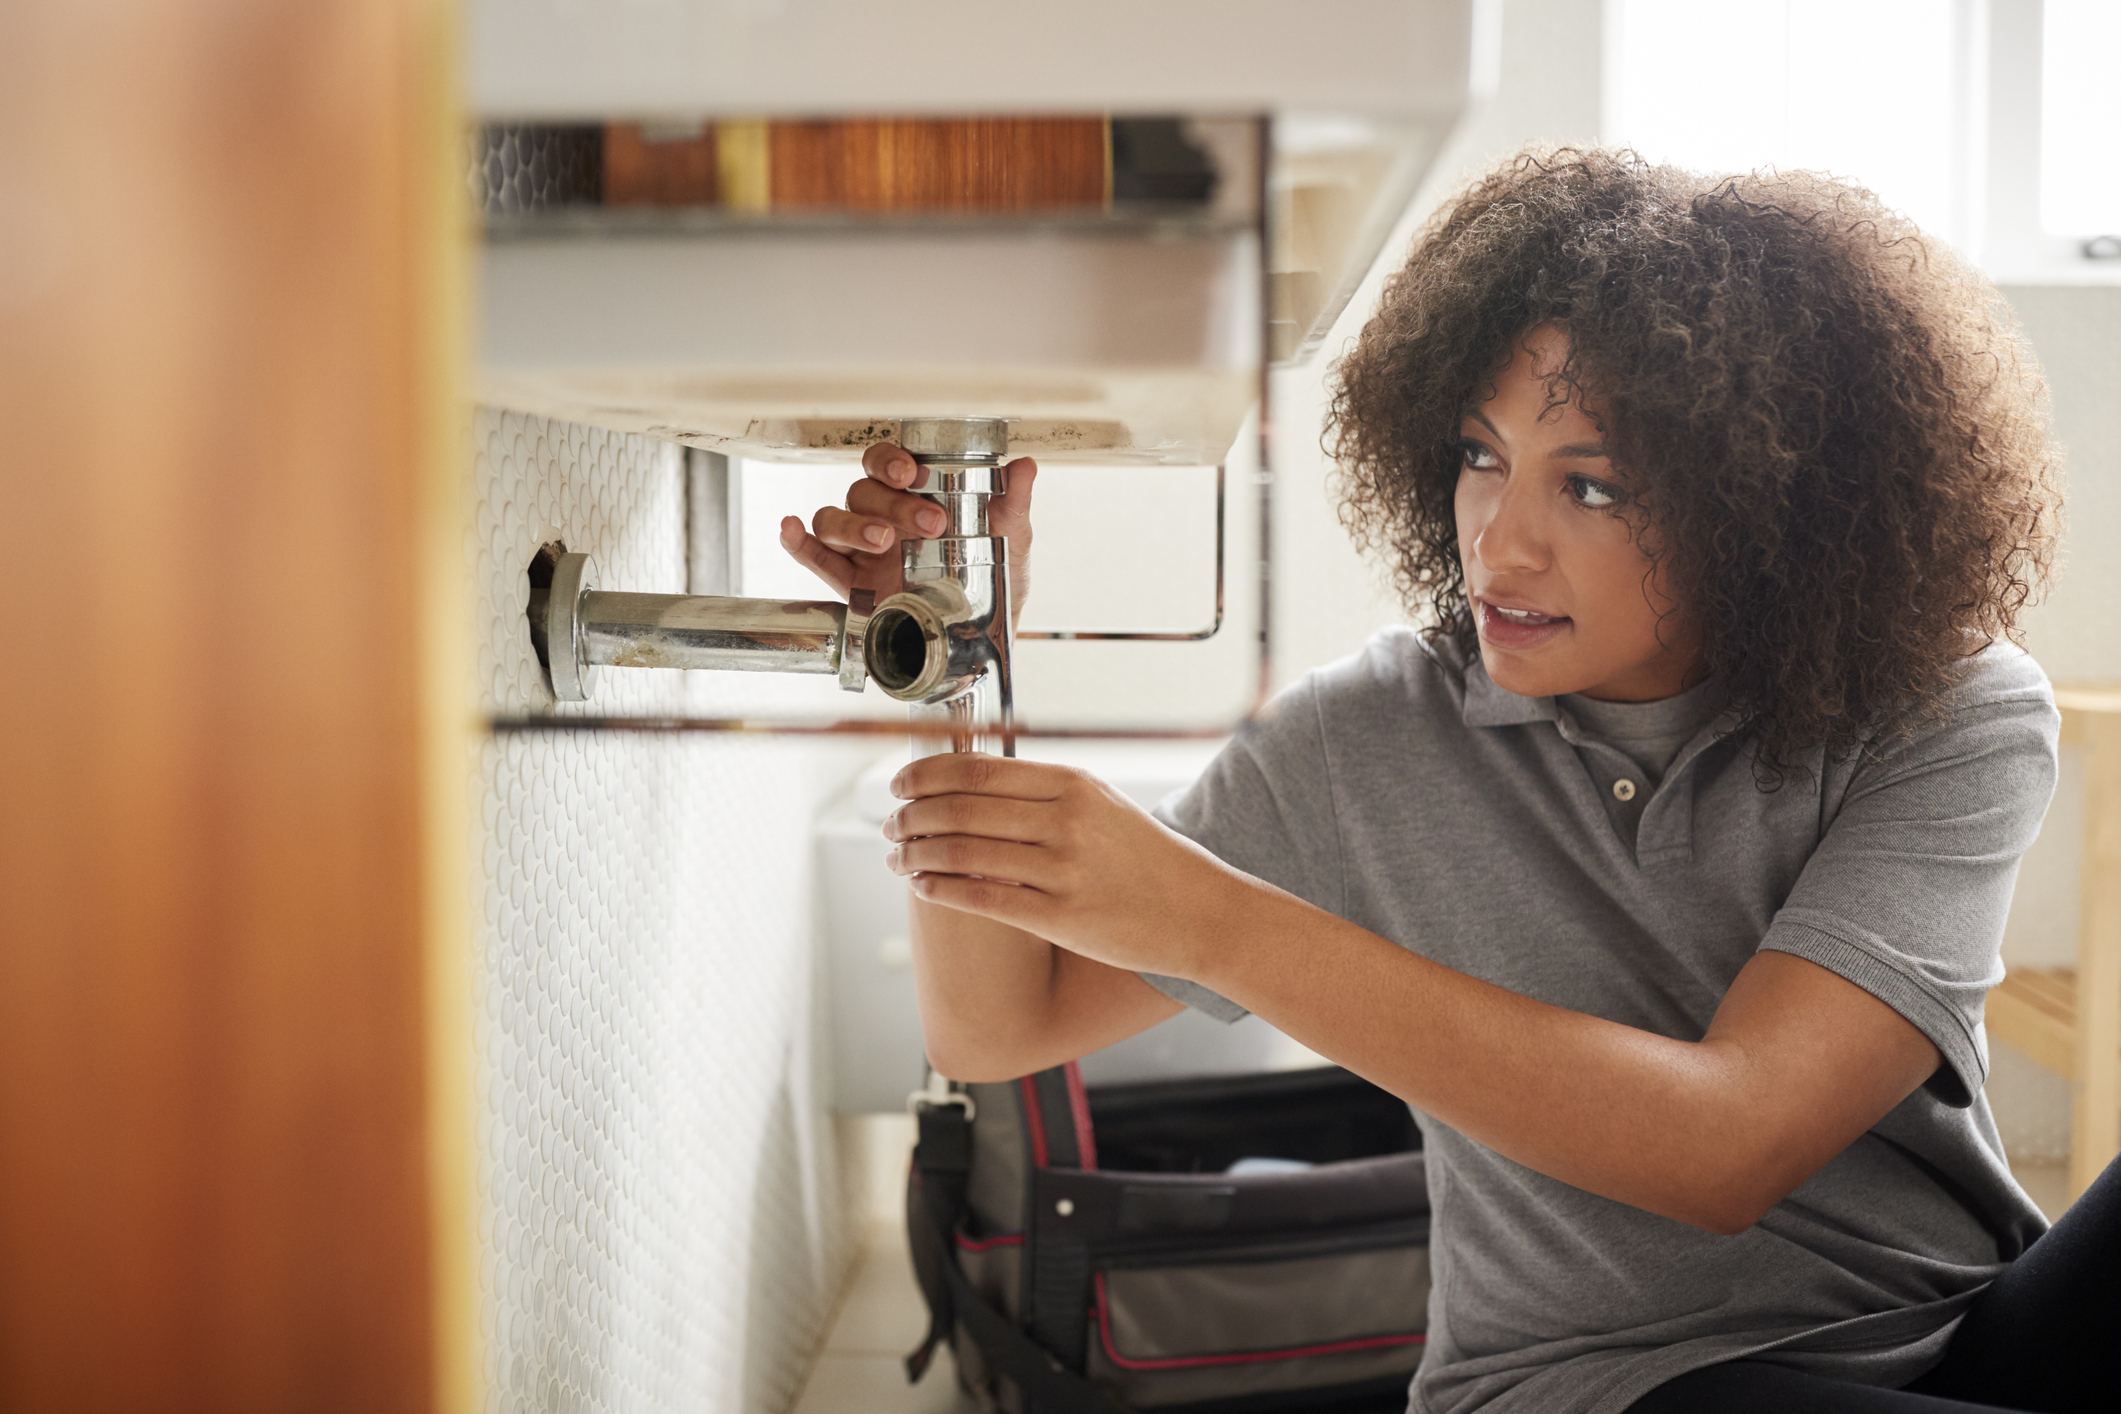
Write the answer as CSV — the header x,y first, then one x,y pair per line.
x,y
578,628
941,644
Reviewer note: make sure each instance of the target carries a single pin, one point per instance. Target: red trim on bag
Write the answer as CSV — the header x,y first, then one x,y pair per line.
x,y
1033,1120
1079,1110
1249,1357
981,1244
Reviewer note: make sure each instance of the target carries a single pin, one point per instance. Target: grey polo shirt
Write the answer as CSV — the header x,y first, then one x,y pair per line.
x,y
1404,791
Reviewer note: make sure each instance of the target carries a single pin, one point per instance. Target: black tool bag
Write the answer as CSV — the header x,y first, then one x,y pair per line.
x,y
1089,1252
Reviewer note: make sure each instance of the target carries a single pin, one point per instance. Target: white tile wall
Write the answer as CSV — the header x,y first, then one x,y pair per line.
x,y
663,1223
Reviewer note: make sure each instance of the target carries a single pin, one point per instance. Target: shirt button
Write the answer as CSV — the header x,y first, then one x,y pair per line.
x,y
1623,789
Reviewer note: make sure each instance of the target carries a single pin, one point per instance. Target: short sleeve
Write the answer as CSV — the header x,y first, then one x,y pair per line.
x,y
1264,805
1906,894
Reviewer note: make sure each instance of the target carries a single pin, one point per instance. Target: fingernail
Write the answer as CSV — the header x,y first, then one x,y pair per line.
x,y
877,535
896,789
891,859
902,472
931,521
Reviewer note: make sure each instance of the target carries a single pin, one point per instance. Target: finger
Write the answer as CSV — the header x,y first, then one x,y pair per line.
x,y
989,816
813,555
976,773
913,516
851,533
1006,860
1010,513
1004,903
890,463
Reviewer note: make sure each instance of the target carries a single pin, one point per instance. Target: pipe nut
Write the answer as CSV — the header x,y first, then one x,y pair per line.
x,y
955,438
854,640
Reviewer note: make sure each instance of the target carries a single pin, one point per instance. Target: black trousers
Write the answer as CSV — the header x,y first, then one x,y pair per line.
x,y
2045,1336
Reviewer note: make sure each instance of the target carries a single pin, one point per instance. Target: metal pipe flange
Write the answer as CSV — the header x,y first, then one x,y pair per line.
x,y
567,663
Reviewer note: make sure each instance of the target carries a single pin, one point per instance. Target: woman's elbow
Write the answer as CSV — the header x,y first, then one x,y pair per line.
x,y
1726,1220
970,1065
971,1058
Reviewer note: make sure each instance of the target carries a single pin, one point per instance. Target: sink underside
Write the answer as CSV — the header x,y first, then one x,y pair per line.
x,y
1161,416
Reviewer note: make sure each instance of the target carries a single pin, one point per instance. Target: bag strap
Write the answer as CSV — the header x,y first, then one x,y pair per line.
x,y
1047,1387
934,1209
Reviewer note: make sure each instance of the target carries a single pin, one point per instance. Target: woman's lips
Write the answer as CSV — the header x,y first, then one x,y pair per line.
x,y
1518,628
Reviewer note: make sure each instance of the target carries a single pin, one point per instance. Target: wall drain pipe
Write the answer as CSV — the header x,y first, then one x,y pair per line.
x,y
941,644
593,628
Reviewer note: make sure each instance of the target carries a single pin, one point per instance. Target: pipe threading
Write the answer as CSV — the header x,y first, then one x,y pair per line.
x,y
898,650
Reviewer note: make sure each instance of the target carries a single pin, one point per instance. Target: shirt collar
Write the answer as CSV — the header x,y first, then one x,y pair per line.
x,y
1488,705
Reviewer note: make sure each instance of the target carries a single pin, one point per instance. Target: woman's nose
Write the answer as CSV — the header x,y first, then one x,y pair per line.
x,y
1512,537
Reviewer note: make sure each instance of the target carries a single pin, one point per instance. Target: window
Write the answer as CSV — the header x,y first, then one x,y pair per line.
x,y
1884,92
2080,162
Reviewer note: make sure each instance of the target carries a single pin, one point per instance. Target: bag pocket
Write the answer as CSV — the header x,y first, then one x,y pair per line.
x,y
1306,1317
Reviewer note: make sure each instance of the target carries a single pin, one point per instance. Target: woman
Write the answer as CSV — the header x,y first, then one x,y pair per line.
x,y
1664,873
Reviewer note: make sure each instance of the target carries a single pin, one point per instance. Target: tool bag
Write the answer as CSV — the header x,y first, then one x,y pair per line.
x,y
1094,1251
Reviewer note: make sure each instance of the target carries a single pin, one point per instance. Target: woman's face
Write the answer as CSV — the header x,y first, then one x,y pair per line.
x,y
1565,598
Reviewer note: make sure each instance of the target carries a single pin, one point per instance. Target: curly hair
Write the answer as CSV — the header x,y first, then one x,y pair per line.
x,y
1830,420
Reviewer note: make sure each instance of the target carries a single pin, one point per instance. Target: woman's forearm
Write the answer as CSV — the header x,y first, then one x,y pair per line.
x,y
1710,1132
1595,1104
997,1002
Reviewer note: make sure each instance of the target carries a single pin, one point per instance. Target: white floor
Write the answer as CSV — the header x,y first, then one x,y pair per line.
x,y
881,1317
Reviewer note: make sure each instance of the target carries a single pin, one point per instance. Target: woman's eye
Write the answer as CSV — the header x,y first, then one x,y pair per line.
x,y
1477,457
1595,494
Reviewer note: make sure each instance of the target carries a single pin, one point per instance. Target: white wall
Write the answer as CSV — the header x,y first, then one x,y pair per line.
x,y
2076,331
663,1221
2075,634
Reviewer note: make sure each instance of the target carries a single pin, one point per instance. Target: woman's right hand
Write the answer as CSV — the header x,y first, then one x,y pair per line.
x,y
857,546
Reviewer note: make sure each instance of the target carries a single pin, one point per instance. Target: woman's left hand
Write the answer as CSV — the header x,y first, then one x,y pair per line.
x,y
1058,853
